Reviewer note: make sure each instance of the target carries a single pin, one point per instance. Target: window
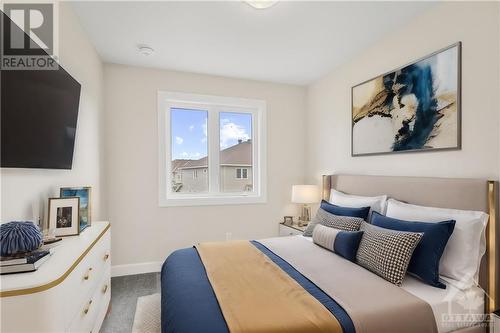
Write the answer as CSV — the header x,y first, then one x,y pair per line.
x,y
241,173
212,150
178,177
184,160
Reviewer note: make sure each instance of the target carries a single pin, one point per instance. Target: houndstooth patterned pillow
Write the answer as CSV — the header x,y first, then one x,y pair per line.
x,y
385,252
346,223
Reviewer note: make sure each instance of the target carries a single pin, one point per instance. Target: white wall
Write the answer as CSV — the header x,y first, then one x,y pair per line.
x,y
23,187
329,108
143,231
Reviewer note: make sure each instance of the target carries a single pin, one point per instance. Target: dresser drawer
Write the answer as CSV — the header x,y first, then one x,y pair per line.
x,y
104,306
84,279
91,308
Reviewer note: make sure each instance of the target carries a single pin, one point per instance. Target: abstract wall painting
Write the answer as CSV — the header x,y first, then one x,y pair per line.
x,y
413,108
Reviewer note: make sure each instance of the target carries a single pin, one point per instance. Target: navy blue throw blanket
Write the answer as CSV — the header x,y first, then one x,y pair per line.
x,y
189,304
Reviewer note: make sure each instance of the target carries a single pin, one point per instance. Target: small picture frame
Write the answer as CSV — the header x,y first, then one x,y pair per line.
x,y
288,220
84,193
64,216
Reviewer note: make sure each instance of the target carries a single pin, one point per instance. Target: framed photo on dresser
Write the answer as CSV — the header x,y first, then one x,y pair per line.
x,y
64,216
84,193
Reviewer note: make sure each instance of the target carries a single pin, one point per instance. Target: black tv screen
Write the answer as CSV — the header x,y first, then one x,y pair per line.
x,y
39,112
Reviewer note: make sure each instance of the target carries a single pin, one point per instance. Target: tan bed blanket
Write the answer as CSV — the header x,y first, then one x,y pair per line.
x,y
255,295
374,305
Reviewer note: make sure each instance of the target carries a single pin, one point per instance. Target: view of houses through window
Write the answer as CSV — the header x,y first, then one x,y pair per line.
x,y
235,152
189,139
189,150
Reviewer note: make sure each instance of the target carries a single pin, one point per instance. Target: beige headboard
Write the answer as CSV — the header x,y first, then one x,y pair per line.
x,y
458,193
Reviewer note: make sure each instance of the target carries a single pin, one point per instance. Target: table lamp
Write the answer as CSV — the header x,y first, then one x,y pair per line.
x,y
305,194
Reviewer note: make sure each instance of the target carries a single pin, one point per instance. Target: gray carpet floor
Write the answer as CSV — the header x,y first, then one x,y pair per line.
x,y
124,293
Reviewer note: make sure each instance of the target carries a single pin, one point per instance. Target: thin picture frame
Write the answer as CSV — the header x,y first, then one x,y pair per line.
x,y
53,208
458,45
73,191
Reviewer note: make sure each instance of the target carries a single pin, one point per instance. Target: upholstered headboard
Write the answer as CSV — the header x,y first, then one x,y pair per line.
x,y
458,193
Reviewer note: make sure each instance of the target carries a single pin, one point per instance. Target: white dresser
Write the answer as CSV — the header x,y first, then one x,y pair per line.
x,y
70,292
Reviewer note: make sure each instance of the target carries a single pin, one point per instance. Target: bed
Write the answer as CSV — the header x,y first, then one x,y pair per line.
x,y
355,299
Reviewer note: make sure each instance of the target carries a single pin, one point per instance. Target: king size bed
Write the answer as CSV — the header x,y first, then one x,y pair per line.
x,y
312,284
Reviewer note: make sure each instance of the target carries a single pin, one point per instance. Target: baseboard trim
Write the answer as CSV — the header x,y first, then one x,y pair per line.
x,y
132,269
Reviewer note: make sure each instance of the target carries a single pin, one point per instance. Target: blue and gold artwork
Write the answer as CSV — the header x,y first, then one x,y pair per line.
x,y
414,108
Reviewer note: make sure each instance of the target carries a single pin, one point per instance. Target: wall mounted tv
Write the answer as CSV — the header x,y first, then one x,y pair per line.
x,y
39,112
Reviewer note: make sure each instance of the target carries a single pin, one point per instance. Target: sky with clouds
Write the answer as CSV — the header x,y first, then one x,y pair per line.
x,y
189,131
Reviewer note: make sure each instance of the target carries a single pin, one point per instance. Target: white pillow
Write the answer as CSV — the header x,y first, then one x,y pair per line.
x,y
462,256
376,204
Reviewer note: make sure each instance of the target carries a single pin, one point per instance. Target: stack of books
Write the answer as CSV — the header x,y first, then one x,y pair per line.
x,y
27,262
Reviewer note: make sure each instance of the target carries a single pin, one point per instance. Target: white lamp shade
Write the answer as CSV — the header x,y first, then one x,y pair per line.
x,y
305,194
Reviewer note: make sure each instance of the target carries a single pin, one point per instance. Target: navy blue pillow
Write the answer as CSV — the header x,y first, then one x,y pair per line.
x,y
424,262
345,211
346,244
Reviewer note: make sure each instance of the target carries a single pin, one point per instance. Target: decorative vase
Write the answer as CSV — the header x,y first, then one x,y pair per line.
x,y
19,237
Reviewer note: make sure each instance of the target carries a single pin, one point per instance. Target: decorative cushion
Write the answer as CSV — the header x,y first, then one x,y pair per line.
x,y
461,258
425,259
344,243
385,252
361,212
19,237
345,223
377,204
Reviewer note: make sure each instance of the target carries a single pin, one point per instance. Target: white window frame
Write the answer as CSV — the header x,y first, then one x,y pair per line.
x,y
213,105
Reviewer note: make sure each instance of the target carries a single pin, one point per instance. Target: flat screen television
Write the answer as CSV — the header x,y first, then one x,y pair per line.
x,y
39,113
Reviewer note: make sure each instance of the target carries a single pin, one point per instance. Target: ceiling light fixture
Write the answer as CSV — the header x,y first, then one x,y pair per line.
x,y
145,50
261,4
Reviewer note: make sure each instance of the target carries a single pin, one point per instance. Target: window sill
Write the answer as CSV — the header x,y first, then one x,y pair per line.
x,y
212,200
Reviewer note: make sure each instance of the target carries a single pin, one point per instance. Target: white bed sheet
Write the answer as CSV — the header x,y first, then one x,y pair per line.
x,y
447,303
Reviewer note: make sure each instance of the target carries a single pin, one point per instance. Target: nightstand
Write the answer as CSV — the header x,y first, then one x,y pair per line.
x,y
291,230
495,317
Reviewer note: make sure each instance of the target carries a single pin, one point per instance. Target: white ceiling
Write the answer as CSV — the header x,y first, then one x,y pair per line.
x,y
291,42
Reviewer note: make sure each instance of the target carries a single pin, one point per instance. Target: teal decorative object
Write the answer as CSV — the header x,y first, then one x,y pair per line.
x,y
19,237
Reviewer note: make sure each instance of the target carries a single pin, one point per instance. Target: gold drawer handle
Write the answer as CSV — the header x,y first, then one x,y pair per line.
x,y
87,276
86,310
105,288
106,256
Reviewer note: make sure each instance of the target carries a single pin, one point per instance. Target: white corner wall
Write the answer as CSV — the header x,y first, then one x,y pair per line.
x,y
144,234
329,100
21,188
